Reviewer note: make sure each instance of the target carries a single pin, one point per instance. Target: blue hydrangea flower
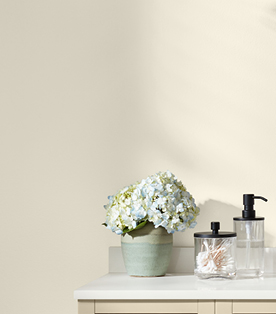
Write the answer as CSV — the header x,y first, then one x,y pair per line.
x,y
160,199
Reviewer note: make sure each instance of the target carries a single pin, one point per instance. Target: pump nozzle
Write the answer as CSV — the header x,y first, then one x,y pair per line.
x,y
248,202
261,198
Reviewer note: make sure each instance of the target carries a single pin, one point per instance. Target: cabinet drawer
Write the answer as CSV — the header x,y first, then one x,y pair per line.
x,y
240,307
145,306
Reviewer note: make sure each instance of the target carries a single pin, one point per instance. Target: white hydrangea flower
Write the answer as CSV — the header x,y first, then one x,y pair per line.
x,y
160,199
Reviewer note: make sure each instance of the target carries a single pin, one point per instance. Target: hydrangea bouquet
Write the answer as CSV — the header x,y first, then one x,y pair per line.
x,y
160,199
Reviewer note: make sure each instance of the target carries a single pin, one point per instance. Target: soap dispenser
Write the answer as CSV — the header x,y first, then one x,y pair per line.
x,y
250,239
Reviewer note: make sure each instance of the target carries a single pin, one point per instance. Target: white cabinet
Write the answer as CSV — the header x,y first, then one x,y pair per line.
x,y
252,306
176,306
143,306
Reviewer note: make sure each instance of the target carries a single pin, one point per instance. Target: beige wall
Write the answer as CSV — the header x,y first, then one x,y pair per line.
x,y
98,94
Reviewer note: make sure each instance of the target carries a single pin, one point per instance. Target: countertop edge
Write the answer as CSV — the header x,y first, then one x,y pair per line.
x,y
168,295
182,287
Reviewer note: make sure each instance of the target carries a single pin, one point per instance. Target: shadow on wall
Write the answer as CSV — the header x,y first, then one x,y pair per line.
x,y
213,210
210,210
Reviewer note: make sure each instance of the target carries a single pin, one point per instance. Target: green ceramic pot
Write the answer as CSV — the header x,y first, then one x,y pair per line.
x,y
147,251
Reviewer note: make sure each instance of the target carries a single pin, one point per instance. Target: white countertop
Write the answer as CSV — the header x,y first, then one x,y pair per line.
x,y
120,286
181,284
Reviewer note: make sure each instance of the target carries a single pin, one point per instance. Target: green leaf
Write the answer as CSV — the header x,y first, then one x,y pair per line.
x,y
104,224
126,230
141,225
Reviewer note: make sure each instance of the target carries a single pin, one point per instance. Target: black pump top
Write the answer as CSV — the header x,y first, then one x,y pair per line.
x,y
249,213
215,226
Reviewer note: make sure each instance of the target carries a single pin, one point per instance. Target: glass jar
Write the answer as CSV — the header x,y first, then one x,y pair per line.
x,y
215,253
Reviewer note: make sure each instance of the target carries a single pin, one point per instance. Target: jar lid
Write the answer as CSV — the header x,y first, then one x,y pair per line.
x,y
215,226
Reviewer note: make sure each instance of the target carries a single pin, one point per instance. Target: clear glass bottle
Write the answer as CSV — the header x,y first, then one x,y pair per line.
x,y
215,253
250,240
